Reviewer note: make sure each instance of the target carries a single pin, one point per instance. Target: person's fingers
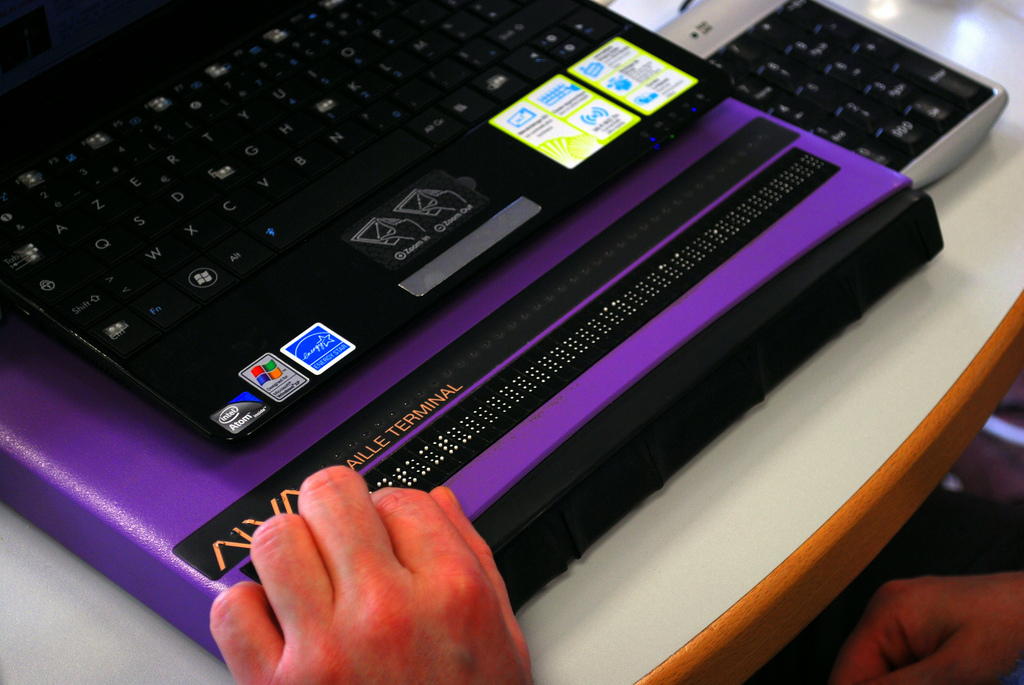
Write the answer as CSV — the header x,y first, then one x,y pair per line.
x,y
294,578
944,667
422,536
244,629
352,540
450,505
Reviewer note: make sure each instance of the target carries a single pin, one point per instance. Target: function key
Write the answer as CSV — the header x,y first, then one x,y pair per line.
x,y
97,140
123,332
127,123
163,305
591,25
30,179
62,161
218,70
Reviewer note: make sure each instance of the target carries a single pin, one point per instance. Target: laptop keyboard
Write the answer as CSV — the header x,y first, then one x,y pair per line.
x,y
822,71
126,233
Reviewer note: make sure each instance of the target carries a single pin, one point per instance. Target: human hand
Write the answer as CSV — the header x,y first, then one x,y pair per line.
x,y
391,587
962,630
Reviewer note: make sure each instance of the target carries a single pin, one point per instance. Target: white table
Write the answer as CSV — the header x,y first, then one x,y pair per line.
x,y
737,511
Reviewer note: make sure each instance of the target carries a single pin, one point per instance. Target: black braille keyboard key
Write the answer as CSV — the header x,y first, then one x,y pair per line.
x,y
165,255
191,196
109,204
838,28
204,229
127,280
499,84
866,114
906,136
797,112
70,229
467,105
276,182
123,332
533,65
112,245
746,51
163,305
436,126
851,70
877,49
203,279
520,27
777,32
958,89
935,113
824,92
424,13
881,153
479,53
813,51
448,73
241,254
87,305
353,179
892,91
19,217
58,279
783,72
591,25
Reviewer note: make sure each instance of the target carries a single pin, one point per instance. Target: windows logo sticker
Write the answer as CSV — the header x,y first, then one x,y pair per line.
x,y
273,377
318,348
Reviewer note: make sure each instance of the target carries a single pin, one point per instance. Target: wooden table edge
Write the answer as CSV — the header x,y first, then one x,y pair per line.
x,y
764,620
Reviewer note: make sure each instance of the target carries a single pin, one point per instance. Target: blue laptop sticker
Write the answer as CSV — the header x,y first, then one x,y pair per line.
x,y
318,348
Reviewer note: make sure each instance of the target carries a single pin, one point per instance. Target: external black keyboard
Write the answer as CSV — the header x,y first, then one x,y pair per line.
x,y
126,233
822,71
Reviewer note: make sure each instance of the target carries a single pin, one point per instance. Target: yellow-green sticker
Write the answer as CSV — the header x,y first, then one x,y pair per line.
x,y
565,121
632,75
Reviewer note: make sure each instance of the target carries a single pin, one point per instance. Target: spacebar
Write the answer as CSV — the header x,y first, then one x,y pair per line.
x,y
338,189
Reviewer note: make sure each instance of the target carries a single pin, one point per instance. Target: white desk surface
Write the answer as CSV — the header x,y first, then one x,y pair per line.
x,y
726,519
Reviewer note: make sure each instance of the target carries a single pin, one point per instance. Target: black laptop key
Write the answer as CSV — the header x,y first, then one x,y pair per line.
x,y
277,182
22,259
203,279
838,28
876,48
757,92
60,278
185,158
462,26
128,280
110,204
163,305
959,90
19,217
416,94
531,64
338,189
361,51
123,332
424,13
467,105
148,181
853,71
500,84
906,136
241,254
824,92
135,149
257,114
480,52
367,86
935,113
840,133
493,10
112,245
393,31
191,196
151,220
432,46
591,25
813,51
892,91
312,160
87,305
207,227
435,126
298,128
520,27
866,114
448,73
69,229
777,32
746,51
346,137
797,112
783,72
98,171
57,194
165,255
400,66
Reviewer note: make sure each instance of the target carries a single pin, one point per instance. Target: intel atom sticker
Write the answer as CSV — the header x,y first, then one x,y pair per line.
x,y
564,121
240,412
318,348
632,75
273,377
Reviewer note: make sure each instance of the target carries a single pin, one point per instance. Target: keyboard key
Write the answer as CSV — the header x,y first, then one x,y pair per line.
x,y
424,13
591,25
262,151
19,217
393,31
87,305
111,245
298,129
164,306
191,196
203,280
257,114
531,64
416,94
185,158
571,50
877,49
127,280
435,126
57,194
70,229
22,259
134,149
312,160
347,137
957,89
400,66
367,86
123,332
838,28
550,38
109,204
746,51
909,138
757,92
338,189
814,52
797,112
492,10
98,171
448,73
937,114
499,84
840,133
520,27
824,92
851,70
479,53
60,278
165,255
225,173
240,205
467,105
783,72
431,46
892,91
777,32
863,113
151,221
361,52
382,116
462,26
881,153
205,229
241,254
149,181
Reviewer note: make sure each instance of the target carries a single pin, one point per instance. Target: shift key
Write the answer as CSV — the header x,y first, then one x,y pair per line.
x,y
337,190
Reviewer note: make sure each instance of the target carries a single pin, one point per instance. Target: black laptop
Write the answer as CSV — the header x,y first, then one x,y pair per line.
x,y
230,204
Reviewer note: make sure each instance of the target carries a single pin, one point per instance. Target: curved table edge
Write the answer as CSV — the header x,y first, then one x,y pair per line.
x,y
764,620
